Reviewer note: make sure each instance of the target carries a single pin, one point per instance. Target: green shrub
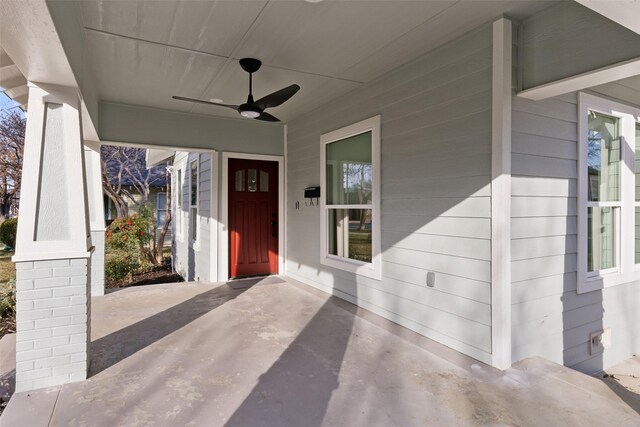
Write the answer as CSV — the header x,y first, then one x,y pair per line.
x,y
120,265
8,299
127,241
131,235
8,230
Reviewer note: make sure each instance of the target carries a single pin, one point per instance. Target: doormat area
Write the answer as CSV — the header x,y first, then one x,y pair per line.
x,y
255,281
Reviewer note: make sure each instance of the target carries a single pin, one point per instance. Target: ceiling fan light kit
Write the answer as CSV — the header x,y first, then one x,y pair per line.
x,y
253,109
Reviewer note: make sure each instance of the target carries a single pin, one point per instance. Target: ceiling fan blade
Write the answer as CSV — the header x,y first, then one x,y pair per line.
x,y
267,117
182,98
278,97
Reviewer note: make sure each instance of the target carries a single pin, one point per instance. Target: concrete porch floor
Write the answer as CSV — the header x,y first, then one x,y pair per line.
x,y
283,354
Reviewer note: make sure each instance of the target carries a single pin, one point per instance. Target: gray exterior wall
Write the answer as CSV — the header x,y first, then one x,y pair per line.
x,y
191,261
549,318
436,168
134,124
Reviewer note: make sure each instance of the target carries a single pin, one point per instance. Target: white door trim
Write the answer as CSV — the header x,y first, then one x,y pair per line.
x,y
223,233
214,215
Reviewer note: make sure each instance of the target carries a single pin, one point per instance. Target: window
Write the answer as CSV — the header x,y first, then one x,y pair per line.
x,y
193,209
609,196
161,210
350,203
178,203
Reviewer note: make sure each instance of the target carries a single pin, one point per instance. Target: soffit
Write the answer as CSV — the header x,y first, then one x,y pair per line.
x,y
626,90
143,52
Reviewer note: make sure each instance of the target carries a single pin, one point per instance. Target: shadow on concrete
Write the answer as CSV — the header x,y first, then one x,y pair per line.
x,y
7,387
297,389
117,346
627,396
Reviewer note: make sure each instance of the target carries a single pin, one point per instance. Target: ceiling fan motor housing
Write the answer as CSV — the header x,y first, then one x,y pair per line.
x,y
249,110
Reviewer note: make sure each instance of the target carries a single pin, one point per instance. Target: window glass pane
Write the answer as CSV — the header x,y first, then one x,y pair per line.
x,y
194,183
162,201
603,158
264,181
350,233
193,214
179,189
601,238
252,180
349,171
637,229
637,162
240,180
162,218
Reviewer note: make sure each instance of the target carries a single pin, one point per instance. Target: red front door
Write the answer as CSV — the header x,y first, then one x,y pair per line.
x,y
253,217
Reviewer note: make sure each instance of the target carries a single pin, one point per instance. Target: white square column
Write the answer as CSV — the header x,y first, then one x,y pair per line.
x,y
53,245
96,214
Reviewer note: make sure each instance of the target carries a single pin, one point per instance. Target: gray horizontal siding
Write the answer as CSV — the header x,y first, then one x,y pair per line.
x,y
193,264
436,206
549,318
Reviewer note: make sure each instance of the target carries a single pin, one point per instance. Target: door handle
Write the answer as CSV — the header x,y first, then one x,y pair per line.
x,y
274,228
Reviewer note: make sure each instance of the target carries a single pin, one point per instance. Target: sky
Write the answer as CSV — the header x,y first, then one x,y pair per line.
x,y
6,103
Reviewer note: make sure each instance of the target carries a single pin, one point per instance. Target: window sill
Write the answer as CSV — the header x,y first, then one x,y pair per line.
x,y
607,280
356,267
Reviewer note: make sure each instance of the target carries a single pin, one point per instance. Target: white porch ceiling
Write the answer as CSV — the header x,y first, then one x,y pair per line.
x,y
626,90
143,52
12,82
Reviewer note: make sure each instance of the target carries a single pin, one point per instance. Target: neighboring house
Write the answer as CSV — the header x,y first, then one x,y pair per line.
x,y
476,171
156,199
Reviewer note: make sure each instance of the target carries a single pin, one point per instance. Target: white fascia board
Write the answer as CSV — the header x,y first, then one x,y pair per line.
x,y
621,70
154,157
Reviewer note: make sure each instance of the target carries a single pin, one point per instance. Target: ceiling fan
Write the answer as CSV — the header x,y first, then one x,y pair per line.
x,y
254,109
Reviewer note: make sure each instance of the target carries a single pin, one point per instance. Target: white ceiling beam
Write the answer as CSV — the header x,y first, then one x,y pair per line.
x,y
625,13
21,99
13,83
30,38
582,81
4,58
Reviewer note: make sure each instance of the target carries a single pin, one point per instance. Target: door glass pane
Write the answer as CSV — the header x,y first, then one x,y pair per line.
x,y
602,245
240,180
350,233
252,180
603,158
349,171
264,181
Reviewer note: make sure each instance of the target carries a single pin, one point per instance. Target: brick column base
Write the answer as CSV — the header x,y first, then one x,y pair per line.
x,y
97,263
53,315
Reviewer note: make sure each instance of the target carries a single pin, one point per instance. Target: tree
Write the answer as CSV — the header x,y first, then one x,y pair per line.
x,y
157,250
12,131
125,175
126,180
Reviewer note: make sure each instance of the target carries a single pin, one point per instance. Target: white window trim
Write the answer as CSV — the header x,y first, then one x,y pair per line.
x,y
626,270
194,242
374,269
